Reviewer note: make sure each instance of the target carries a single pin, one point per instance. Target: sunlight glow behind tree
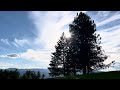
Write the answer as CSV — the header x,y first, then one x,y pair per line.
x,y
67,34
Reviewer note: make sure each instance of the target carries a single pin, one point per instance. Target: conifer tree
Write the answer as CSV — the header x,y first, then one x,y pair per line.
x,y
87,54
57,64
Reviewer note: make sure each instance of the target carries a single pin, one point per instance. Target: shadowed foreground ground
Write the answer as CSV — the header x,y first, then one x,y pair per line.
x,y
102,75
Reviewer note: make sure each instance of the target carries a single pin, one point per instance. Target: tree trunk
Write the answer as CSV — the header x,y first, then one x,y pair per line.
x,y
88,69
63,68
84,70
74,70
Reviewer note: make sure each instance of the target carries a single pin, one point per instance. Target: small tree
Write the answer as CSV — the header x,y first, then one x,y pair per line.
x,y
31,75
57,64
38,75
43,75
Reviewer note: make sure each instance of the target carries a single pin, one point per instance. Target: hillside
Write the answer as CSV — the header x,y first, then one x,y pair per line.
x,y
101,75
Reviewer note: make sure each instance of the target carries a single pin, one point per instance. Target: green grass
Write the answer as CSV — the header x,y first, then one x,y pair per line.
x,y
102,75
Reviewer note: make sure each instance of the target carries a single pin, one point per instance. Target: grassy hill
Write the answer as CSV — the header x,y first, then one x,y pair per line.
x,y
102,75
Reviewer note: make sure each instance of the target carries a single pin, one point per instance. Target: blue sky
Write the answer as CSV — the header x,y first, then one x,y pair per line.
x,y
27,38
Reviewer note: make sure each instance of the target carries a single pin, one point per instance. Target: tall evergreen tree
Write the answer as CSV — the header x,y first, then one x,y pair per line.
x,y
80,52
69,58
85,45
57,64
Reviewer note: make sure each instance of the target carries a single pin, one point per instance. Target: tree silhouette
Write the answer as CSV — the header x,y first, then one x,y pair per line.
x,y
58,58
6,74
69,59
85,44
38,75
9,74
81,52
31,75
43,75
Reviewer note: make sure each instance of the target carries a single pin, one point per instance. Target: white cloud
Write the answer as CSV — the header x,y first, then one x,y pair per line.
x,y
114,56
112,18
110,29
43,57
5,41
21,42
103,13
36,55
4,65
16,42
51,25
30,54
110,40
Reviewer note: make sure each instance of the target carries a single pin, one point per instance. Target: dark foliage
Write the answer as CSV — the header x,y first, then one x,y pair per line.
x,y
58,58
7,74
80,52
85,49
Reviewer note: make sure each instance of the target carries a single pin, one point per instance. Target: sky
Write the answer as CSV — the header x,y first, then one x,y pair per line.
x,y
27,38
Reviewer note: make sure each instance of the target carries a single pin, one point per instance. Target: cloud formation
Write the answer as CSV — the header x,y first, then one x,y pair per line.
x,y
22,42
12,56
40,56
49,26
36,55
5,41
112,18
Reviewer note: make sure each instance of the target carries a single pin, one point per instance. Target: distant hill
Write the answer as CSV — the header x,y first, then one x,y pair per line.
x,y
100,75
22,71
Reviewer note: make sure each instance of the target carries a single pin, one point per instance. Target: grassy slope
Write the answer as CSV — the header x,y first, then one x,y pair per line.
x,y
103,75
